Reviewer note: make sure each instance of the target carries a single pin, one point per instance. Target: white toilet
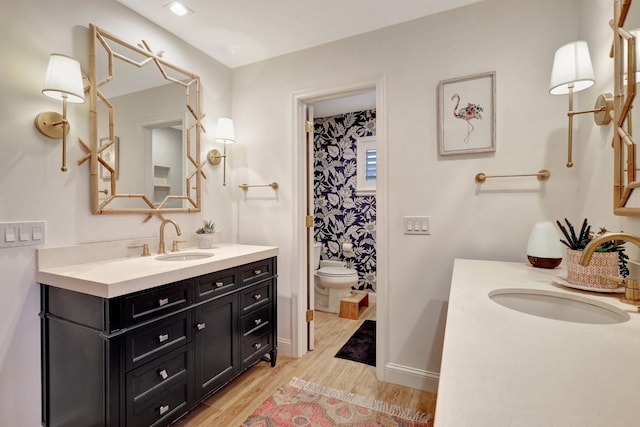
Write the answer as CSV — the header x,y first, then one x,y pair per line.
x,y
333,281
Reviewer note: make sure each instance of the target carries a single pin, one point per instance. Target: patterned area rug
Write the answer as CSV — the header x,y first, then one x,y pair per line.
x,y
302,404
361,347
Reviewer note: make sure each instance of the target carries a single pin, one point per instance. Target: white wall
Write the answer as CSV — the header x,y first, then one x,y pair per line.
x,y
32,186
516,39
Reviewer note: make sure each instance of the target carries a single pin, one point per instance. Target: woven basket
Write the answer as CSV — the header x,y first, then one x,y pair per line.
x,y
602,263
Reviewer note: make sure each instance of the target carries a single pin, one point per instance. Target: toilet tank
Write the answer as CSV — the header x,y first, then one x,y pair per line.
x,y
317,250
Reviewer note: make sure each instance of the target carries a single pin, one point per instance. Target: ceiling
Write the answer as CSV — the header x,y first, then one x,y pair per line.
x,y
241,32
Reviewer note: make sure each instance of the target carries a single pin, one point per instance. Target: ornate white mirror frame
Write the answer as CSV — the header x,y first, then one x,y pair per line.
x,y
103,170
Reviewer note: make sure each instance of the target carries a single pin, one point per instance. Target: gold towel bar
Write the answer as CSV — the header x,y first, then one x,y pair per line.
x,y
542,175
245,187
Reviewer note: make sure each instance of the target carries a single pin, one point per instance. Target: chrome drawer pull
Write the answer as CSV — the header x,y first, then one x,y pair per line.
x,y
256,272
219,284
201,326
163,337
163,301
257,297
164,409
258,321
163,374
257,346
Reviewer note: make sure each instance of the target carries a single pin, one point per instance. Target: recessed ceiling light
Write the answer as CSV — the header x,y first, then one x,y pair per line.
x,y
178,8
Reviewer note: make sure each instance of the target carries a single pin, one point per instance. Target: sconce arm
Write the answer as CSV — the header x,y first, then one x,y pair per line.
x,y
594,110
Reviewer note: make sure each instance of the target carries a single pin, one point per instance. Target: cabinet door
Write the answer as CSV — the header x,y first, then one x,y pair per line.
x,y
216,344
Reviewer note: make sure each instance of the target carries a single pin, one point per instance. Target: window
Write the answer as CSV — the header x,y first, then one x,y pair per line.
x,y
367,165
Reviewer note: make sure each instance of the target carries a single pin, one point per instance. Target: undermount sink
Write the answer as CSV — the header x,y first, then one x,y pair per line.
x,y
187,256
558,306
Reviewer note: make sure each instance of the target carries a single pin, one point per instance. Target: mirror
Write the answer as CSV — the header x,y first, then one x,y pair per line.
x,y
145,130
626,188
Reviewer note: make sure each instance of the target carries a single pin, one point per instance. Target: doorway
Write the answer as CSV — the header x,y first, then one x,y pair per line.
x,y
336,101
343,209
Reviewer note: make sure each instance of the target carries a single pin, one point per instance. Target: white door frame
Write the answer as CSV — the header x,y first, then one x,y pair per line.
x,y
299,300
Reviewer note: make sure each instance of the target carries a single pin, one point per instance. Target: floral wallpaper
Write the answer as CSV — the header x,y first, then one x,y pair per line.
x,y
340,215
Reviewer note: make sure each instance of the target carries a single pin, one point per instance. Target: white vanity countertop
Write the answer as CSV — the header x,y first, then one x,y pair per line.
x,y
113,277
501,367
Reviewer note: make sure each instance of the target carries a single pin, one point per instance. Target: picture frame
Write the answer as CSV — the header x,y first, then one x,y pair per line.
x,y
466,114
110,155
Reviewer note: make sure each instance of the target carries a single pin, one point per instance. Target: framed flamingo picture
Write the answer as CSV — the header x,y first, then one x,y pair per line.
x,y
466,114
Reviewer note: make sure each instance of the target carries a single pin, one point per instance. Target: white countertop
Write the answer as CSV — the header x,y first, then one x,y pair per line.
x,y
501,367
113,277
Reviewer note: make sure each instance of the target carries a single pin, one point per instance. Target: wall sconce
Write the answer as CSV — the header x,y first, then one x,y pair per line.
x,y
224,135
63,81
572,72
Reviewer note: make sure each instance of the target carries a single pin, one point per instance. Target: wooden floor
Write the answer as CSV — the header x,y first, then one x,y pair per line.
x,y
235,402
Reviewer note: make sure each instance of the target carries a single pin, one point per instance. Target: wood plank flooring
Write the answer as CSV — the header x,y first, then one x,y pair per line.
x,y
235,402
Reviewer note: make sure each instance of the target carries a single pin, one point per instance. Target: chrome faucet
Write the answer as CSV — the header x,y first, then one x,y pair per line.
x,y
631,289
164,223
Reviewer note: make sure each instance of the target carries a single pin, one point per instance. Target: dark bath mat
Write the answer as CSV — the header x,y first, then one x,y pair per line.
x,y
361,347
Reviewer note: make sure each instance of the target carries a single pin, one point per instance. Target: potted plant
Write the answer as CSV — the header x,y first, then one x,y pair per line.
x,y
609,259
205,234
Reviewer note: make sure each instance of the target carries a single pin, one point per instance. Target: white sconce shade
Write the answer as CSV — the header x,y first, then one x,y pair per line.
x,y
636,35
571,66
544,249
572,72
224,131
63,82
64,79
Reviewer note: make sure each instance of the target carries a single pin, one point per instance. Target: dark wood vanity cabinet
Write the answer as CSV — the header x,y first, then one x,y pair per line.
x,y
147,358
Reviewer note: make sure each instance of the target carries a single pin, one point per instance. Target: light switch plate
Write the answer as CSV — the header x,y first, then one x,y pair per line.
x,y
24,233
416,224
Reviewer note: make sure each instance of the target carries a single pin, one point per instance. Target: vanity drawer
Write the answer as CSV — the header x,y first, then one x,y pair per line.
x,y
146,343
255,297
160,301
214,284
157,376
161,409
256,271
256,319
255,344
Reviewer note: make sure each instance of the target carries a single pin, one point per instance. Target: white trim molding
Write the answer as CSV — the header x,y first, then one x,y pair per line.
x,y
285,347
412,377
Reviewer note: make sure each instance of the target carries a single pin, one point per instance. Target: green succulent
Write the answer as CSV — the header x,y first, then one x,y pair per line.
x,y
208,227
579,241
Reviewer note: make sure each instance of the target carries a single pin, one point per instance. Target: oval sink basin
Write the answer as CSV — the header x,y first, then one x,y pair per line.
x,y
187,256
558,306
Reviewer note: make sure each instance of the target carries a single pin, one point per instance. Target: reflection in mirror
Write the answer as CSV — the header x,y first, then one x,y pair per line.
x,y
165,145
145,130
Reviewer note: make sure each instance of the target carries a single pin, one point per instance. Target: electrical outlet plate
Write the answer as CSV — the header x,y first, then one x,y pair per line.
x,y
23,233
416,224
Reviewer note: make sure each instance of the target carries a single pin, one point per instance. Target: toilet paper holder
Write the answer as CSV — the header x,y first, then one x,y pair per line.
x,y
347,249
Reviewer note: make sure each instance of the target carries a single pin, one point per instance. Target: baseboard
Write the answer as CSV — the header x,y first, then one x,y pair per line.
x,y
285,347
412,377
